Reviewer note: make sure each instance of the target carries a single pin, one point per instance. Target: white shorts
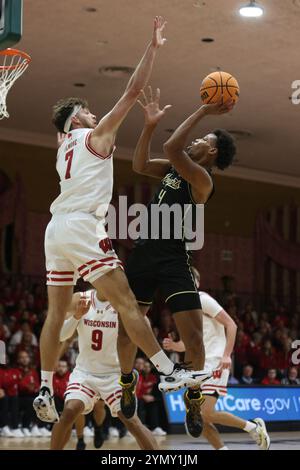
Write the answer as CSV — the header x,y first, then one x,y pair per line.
x,y
217,384
89,389
76,245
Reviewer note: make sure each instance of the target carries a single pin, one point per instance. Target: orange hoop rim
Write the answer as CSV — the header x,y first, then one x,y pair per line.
x,y
14,52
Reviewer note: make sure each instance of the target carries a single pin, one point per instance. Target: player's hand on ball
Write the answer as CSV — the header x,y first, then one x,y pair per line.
x,y
82,308
157,39
225,363
150,105
219,108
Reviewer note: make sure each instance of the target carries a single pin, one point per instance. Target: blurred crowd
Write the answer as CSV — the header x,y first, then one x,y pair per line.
x,y
262,356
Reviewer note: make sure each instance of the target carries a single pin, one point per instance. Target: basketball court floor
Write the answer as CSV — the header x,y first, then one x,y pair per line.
x,y
279,441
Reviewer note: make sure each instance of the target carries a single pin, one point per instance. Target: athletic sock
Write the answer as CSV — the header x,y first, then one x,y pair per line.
x,y
47,380
127,378
193,393
250,426
223,448
162,363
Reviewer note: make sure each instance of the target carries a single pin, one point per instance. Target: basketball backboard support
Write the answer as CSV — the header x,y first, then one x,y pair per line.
x,y
11,18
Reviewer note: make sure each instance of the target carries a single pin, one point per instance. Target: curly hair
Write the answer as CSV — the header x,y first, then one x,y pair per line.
x,y
226,148
62,110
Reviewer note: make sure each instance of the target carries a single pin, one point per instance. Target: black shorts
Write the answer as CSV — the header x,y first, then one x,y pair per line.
x,y
159,264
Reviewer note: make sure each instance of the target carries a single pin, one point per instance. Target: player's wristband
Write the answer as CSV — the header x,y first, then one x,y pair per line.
x,y
68,328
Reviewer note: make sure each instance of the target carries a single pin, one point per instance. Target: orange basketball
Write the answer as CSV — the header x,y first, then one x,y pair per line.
x,y
218,84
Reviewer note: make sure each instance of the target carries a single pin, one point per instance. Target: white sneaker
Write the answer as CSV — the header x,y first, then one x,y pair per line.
x,y
6,432
159,432
45,407
35,431
88,432
26,432
17,433
260,434
181,378
45,432
113,432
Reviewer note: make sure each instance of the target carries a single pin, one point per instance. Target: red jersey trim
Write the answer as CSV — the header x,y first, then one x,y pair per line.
x,y
90,149
109,258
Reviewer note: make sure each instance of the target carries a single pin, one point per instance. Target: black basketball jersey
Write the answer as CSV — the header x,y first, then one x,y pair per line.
x,y
174,195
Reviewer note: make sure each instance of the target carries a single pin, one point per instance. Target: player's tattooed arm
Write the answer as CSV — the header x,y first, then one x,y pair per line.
x,y
174,150
110,123
142,162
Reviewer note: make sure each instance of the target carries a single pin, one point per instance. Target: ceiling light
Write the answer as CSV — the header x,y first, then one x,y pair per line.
x,y
251,10
115,71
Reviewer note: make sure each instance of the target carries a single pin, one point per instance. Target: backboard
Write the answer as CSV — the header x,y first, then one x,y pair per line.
x,y
11,19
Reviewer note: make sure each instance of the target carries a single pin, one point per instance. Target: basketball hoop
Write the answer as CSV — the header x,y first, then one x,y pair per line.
x,y
13,64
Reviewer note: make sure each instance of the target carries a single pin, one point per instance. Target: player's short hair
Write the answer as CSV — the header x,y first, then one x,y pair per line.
x,y
62,110
226,148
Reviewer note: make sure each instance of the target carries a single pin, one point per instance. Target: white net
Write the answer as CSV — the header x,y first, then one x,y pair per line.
x,y
12,64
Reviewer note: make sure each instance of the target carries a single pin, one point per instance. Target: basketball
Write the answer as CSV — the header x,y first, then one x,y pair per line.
x,y
218,84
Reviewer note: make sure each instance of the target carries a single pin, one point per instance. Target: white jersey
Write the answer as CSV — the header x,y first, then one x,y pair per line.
x,y
214,337
97,338
86,178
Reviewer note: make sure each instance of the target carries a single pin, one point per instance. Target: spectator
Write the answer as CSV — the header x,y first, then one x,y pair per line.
x,y
60,382
148,400
250,310
283,356
17,337
26,345
271,378
4,428
247,377
254,349
18,291
9,378
4,331
8,299
267,356
292,377
28,387
241,351
232,380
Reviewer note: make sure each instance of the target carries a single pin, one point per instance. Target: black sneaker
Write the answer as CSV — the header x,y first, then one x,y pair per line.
x,y
128,399
193,418
122,432
99,437
81,445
